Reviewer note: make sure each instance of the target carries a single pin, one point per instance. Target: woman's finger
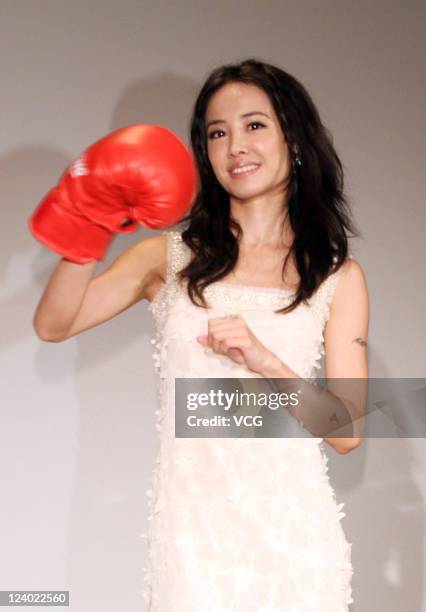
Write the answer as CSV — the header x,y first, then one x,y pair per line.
x,y
232,342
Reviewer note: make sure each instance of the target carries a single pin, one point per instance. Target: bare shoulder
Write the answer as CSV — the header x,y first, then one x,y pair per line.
x,y
351,287
346,331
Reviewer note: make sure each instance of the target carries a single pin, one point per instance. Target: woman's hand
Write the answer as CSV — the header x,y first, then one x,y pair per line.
x,y
231,336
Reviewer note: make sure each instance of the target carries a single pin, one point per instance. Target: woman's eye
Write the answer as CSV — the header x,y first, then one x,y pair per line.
x,y
257,123
254,125
214,134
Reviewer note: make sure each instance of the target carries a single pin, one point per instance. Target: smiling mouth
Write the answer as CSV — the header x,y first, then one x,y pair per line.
x,y
244,170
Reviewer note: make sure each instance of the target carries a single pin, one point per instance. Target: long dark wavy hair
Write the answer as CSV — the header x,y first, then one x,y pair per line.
x,y
317,209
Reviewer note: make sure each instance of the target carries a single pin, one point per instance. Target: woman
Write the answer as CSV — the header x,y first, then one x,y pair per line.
x,y
257,285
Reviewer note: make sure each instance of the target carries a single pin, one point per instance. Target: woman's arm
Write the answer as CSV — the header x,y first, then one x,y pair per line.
x,y
73,301
345,342
343,403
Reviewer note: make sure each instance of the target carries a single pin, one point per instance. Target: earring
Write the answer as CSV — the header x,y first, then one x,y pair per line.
x,y
297,157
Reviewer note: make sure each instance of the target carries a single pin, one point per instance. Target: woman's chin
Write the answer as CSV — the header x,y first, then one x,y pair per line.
x,y
246,193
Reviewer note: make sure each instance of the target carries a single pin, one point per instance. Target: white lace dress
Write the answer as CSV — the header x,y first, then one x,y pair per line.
x,y
240,524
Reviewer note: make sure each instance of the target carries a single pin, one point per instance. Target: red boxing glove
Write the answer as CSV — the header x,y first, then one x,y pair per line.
x,y
140,173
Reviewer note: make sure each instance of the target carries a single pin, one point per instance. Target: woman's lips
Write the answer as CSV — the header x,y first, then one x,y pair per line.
x,y
243,171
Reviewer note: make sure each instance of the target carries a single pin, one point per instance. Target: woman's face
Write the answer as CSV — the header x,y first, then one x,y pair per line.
x,y
245,143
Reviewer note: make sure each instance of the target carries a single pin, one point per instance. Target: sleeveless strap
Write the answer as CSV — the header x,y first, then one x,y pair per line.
x,y
177,255
175,261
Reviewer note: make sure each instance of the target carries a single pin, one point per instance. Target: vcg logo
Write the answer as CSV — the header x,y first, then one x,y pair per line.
x,y
248,420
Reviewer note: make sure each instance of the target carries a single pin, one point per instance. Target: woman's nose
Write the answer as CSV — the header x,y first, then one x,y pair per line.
x,y
237,144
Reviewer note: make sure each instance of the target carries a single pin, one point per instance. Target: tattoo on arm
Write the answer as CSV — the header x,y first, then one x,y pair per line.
x,y
360,341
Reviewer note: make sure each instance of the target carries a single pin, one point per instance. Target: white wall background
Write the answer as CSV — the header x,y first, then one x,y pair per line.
x,y
76,437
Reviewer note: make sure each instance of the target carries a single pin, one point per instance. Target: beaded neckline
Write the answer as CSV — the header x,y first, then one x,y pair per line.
x,y
254,288
233,288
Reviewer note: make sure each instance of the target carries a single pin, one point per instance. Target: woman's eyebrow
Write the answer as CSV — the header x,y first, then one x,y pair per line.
x,y
214,121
